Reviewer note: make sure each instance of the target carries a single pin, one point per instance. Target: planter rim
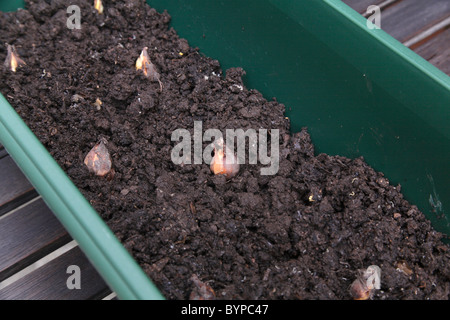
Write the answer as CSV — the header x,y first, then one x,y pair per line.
x,y
119,270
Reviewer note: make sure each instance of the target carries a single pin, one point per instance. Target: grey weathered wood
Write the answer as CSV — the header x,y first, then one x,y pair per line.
x,y
49,282
408,18
15,189
437,50
27,235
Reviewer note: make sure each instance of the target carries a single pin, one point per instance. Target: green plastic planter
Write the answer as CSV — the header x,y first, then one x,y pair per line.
x,y
358,90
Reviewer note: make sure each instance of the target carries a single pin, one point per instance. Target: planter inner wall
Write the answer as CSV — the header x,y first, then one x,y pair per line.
x,y
358,90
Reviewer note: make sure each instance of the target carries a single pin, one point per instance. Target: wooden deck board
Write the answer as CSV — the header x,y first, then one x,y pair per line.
x,y
15,189
30,231
49,282
408,18
437,51
27,235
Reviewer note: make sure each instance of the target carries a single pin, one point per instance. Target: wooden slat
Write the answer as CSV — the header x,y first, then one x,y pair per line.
x,y
49,282
15,189
427,34
437,51
27,235
408,18
421,25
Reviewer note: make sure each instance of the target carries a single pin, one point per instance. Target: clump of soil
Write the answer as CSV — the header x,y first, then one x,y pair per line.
x,y
301,234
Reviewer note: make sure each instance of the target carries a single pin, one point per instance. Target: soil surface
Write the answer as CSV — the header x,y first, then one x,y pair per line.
x,y
300,234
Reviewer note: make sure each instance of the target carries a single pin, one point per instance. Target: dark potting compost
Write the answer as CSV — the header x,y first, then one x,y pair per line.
x,y
322,227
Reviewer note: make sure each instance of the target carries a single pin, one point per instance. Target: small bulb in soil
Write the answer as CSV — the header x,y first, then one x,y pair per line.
x,y
224,162
98,104
13,60
148,68
98,159
315,195
359,291
365,284
201,291
98,5
402,266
